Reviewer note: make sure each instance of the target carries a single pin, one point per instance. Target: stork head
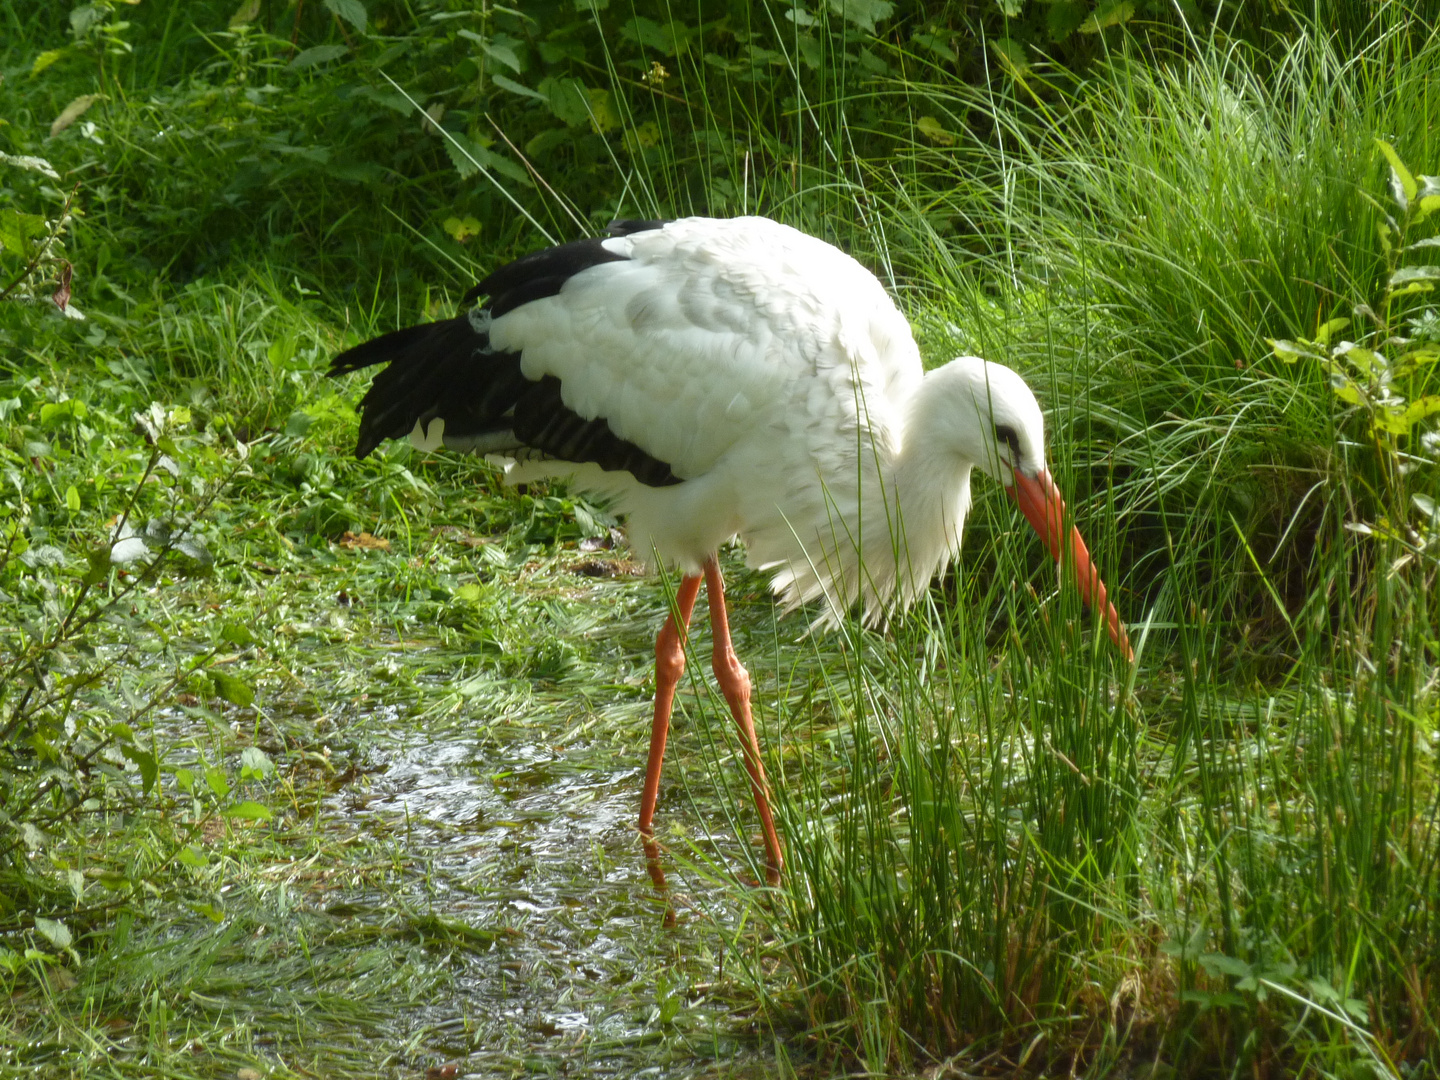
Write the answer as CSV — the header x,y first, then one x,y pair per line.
x,y
995,424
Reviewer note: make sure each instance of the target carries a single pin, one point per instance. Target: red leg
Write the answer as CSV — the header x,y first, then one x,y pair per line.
x,y
669,666
734,683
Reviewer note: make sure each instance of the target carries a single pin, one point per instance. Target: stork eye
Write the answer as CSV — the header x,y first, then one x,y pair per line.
x,y
1006,434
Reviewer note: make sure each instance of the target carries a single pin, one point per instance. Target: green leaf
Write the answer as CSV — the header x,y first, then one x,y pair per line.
x,y
145,761
245,14
1403,187
18,231
1109,13
192,857
236,691
1290,351
255,764
1010,8
1219,964
237,634
1407,274
1420,409
53,411
218,784
863,14
53,931
319,54
469,157
352,11
503,54
462,229
1330,329
1012,56
567,99
1366,361
1064,18
185,780
934,131
72,499
210,911
249,811
517,88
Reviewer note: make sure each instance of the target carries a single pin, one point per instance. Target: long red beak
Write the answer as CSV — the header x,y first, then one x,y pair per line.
x,y
1039,500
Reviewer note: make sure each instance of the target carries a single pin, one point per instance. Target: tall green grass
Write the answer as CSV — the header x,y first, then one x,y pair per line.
x,y
1002,842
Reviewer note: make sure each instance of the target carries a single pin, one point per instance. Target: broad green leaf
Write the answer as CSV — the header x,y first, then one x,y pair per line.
x,y
1109,13
210,911
215,779
352,11
1219,964
1012,56
185,780
72,499
1366,360
1344,387
863,14
249,811
934,131
52,411
1390,419
1421,408
145,762
255,764
245,14
517,88
470,157
319,54
192,857
17,230
1404,183
53,931
1064,18
1407,274
503,54
1411,289
568,100
462,229
1010,8
1290,351
236,691
1330,329
649,34
237,634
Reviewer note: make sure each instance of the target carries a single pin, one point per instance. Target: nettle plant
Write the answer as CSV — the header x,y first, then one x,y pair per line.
x,y
1387,375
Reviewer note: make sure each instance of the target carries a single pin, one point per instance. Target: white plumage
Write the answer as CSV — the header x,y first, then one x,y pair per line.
x,y
722,378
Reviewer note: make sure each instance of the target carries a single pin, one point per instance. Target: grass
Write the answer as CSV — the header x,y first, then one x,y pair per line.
x,y
387,820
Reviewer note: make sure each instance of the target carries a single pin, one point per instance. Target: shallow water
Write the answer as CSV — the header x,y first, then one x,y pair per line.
x,y
537,846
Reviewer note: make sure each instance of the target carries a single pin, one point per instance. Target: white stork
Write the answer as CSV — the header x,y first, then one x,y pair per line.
x,y
723,378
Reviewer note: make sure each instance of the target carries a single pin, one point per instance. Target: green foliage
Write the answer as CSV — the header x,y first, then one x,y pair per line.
x,y
1224,860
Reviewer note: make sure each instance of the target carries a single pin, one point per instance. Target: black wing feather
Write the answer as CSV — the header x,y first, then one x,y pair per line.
x,y
448,370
